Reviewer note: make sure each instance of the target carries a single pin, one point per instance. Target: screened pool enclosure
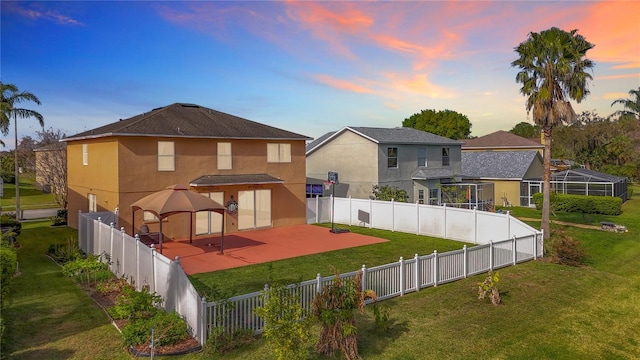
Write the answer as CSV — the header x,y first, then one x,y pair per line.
x,y
468,195
576,182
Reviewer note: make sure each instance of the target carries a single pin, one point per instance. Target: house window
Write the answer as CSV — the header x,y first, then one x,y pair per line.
x,y
166,156
85,154
148,216
422,156
279,153
392,157
445,156
224,156
420,196
434,197
93,204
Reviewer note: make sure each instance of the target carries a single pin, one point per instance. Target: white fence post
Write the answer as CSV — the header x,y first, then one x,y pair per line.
x,y
435,267
350,213
202,326
417,271
466,260
137,280
364,277
153,268
515,254
401,276
445,220
508,223
317,208
123,251
318,284
475,224
417,218
491,255
370,213
393,215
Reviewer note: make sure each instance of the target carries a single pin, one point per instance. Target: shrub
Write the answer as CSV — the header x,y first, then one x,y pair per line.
x,y
565,249
9,265
134,305
60,218
87,269
286,325
381,316
221,342
489,288
112,285
9,223
63,253
606,205
168,329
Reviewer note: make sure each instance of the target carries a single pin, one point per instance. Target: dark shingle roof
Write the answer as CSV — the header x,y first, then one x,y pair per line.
x,y
497,164
423,173
52,147
501,139
189,120
213,180
397,135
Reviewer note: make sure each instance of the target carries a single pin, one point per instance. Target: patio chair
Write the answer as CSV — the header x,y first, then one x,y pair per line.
x,y
148,237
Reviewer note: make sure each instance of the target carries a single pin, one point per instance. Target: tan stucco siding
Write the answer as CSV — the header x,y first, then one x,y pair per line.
x,y
509,189
100,176
353,157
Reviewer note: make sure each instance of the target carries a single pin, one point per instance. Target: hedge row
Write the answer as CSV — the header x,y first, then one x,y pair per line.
x,y
606,205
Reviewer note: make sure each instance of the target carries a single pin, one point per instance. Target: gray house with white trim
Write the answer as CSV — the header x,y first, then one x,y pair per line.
x,y
410,159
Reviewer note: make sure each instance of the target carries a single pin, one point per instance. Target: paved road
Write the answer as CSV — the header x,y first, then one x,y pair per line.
x,y
38,214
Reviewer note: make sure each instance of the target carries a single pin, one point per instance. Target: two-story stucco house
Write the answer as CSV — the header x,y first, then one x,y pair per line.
x,y
410,159
227,158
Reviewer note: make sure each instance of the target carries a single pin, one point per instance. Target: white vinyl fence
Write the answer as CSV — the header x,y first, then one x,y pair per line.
x,y
471,226
390,280
503,241
143,267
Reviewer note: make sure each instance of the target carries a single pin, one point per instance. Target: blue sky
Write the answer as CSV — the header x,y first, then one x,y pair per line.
x,y
307,67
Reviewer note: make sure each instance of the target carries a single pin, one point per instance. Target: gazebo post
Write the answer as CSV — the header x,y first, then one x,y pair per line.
x,y
190,227
160,235
222,234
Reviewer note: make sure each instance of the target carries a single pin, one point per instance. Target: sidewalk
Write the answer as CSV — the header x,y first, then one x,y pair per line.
x,y
36,213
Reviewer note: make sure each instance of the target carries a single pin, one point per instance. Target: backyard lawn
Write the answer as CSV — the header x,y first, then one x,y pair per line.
x,y
30,197
550,311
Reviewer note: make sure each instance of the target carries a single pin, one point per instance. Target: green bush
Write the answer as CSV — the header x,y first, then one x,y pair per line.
x,y
87,269
9,223
9,264
8,177
63,253
135,305
565,249
606,205
169,329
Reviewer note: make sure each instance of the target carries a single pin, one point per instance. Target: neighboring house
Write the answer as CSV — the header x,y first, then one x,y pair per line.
x,y
502,141
506,170
232,160
51,170
409,159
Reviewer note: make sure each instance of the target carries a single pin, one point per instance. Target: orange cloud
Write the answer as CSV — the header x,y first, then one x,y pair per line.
x,y
342,84
616,95
613,26
620,76
419,84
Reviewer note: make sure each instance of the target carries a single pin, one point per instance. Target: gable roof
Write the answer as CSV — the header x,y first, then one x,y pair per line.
x,y
397,135
498,164
56,146
189,121
501,139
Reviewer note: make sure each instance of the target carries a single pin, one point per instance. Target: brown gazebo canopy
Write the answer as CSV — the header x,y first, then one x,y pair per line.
x,y
173,200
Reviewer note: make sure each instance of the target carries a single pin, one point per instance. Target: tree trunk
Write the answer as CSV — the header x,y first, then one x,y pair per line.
x,y
546,179
17,169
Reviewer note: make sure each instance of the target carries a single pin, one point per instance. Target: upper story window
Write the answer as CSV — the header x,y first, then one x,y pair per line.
x,y
422,156
445,156
279,153
85,154
166,156
224,156
392,157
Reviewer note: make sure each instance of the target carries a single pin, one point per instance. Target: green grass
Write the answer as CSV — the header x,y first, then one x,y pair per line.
x,y
550,311
253,278
30,196
49,316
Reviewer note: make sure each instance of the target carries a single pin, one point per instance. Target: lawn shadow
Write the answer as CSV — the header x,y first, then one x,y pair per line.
x,y
46,353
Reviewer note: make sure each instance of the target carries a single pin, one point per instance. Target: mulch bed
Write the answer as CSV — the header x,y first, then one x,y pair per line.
x,y
188,345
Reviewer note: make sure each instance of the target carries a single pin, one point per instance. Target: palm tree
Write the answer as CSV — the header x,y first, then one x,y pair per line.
x,y
632,107
11,96
553,67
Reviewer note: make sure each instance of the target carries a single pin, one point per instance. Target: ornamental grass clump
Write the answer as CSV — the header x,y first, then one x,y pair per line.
x,y
334,308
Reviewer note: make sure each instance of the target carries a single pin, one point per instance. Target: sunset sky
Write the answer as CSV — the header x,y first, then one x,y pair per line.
x,y
307,67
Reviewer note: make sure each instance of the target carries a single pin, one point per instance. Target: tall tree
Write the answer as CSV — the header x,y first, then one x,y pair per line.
x,y
553,69
631,106
526,130
11,97
447,123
